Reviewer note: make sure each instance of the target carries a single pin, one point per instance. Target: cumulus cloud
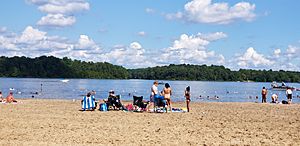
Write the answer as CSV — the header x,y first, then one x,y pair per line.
x,y
253,59
64,7
33,42
59,13
132,56
205,11
277,53
31,35
57,20
292,51
192,49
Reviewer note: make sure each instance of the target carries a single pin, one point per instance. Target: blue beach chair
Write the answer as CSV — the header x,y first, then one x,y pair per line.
x,y
88,102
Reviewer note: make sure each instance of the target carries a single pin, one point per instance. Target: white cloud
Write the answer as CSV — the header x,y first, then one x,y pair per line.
x,y
132,56
33,42
192,49
149,10
59,13
253,59
292,51
86,43
57,20
64,7
31,35
141,33
277,53
204,11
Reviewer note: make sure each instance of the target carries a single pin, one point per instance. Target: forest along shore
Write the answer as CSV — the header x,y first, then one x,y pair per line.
x,y
52,67
38,121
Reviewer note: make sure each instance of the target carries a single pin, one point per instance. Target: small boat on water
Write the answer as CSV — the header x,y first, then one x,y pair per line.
x,y
283,86
65,81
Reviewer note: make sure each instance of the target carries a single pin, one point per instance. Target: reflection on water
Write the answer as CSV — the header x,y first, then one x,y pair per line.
x,y
76,88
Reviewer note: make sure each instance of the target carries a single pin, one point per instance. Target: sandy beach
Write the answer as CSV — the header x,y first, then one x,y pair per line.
x,y
59,122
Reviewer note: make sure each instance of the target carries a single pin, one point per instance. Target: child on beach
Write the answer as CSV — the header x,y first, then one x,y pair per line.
x,y
187,94
264,93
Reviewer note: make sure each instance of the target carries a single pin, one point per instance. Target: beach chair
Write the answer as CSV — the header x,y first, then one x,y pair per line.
x,y
114,102
139,103
88,103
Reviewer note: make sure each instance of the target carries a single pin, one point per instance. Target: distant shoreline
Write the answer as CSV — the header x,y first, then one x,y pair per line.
x,y
53,67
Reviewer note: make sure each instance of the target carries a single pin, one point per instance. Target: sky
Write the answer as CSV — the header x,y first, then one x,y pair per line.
x,y
251,34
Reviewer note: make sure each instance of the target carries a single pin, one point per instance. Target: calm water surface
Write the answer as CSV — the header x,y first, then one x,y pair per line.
x,y
202,91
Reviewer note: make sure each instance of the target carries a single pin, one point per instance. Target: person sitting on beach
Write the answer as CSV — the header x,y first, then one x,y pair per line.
x,y
87,102
114,100
10,98
93,94
289,94
264,93
274,98
167,92
187,94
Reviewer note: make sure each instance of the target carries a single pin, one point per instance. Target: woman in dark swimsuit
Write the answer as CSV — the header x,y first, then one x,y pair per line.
x,y
187,95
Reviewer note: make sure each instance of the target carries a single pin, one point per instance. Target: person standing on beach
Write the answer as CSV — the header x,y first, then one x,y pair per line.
x,y
289,94
264,93
187,94
154,93
167,92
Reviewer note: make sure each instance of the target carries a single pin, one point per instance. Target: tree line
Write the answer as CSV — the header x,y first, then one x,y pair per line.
x,y
52,67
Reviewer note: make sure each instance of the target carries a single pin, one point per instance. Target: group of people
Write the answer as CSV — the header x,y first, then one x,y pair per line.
x,y
9,98
157,98
274,97
165,96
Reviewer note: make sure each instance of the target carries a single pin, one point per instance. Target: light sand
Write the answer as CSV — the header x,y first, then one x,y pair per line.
x,y
58,122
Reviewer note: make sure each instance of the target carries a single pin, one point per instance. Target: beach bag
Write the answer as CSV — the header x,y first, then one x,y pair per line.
x,y
103,107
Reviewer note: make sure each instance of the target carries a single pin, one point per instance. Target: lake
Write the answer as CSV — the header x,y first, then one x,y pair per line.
x,y
202,91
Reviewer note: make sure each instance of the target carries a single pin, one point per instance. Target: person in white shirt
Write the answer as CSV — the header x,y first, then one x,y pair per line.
x,y
154,92
289,94
274,98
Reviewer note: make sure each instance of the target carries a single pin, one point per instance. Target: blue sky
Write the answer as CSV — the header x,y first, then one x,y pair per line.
x,y
250,34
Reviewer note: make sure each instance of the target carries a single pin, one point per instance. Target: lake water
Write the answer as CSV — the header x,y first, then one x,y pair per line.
x,y
202,91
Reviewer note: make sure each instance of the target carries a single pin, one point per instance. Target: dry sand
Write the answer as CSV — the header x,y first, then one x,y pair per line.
x,y
58,122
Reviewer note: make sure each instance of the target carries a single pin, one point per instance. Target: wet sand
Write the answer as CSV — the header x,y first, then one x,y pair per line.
x,y
59,122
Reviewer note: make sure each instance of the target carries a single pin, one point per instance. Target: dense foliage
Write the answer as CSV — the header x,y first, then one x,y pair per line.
x,y
212,73
52,67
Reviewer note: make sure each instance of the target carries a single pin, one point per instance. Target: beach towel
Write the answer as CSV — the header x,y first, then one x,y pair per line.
x,y
88,103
